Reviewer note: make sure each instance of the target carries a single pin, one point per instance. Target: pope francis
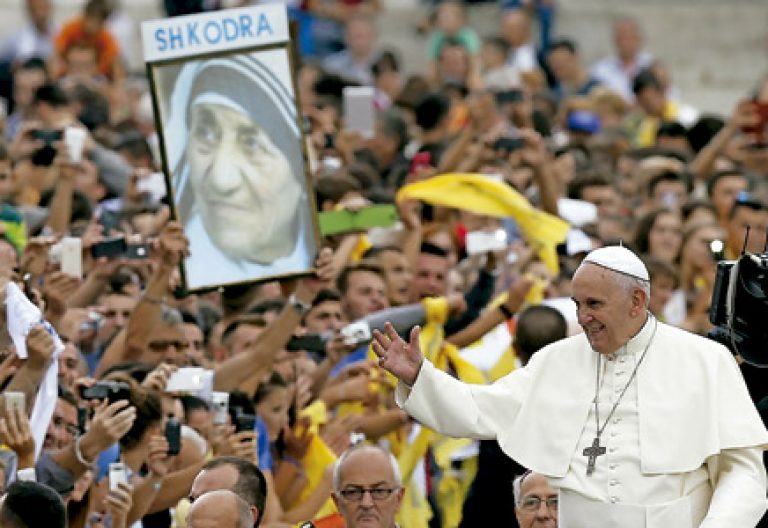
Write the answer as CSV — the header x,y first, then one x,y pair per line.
x,y
637,423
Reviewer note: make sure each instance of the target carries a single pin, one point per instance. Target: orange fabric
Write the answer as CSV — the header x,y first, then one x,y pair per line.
x,y
73,32
334,520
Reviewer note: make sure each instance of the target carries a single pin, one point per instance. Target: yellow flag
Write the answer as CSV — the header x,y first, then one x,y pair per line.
x,y
482,195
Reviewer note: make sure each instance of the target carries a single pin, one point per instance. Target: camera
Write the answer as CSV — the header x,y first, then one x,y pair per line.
x,y
241,420
109,390
356,333
739,307
43,157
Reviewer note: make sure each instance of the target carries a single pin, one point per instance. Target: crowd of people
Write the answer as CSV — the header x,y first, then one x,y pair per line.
x,y
311,431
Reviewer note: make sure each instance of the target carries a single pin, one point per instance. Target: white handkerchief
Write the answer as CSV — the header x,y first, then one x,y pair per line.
x,y
21,316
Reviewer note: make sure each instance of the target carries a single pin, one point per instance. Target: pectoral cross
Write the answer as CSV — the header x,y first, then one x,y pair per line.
x,y
593,452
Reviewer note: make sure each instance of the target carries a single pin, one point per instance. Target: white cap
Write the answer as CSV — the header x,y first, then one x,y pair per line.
x,y
619,259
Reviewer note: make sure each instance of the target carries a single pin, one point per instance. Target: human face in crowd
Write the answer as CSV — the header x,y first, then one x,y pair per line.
x,y
696,251
361,37
195,343
606,311
516,28
237,174
273,409
536,486
604,197
25,84
39,12
564,64
397,276
454,63
69,364
117,310
431,278
368,468
652,101
662,288
756,220
665,237
200,420
82,62
62,429
628,39
166,345
670,194
243,338
366,294
325,317
724,194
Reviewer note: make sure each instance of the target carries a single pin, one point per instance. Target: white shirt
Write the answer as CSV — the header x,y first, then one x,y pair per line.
x,y
612,74
523,59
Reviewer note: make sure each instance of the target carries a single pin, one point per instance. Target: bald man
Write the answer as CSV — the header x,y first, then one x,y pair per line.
x,y
219,509
367,488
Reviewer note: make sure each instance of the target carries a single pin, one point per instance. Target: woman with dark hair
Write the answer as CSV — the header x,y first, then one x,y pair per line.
x,y
238,172
659,235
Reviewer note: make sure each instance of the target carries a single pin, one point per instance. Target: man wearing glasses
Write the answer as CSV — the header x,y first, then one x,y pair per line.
x,y
367,488
535,501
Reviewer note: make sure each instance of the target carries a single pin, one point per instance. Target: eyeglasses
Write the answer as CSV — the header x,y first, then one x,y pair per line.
x,y
532,503
59,423
377,494
159,346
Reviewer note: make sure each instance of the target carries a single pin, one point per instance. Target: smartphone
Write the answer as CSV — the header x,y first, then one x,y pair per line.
x,y
173,435
307,343
478,242
244,422
220,407
508,144
356,333
111,391
153,185
359,112
117,475
15,400
187,379
72,257
111,248
47,136
509,97
110,221
137,251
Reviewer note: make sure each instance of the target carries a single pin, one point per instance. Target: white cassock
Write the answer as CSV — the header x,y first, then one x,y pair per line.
x,y
684,446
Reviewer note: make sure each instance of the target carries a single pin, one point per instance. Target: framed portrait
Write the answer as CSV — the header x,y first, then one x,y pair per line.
x,y
232,145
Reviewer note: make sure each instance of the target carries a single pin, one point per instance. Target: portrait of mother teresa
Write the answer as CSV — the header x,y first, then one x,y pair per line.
x,y
238,172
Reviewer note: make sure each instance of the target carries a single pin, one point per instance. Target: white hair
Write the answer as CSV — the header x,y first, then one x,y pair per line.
x,y
630,284
359,447
517,485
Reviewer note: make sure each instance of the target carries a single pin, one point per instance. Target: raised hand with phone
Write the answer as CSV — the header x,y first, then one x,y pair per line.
x,y
16,434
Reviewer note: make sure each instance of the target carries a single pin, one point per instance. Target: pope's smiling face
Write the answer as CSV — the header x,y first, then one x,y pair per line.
x,y
608,312
243,186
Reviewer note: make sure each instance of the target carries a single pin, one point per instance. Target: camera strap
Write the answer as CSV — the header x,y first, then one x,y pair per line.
x,y
730,305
